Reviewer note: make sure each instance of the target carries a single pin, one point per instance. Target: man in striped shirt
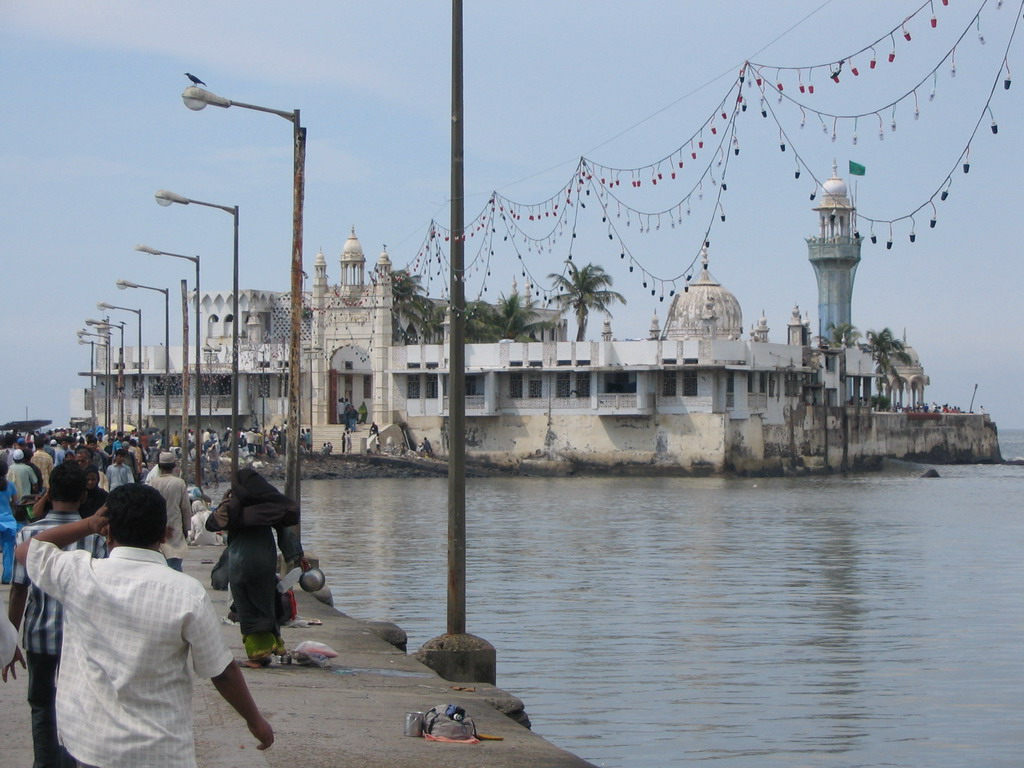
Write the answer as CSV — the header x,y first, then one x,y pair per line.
x,y
43,625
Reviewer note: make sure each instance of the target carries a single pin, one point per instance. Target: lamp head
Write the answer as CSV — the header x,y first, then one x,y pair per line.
x,y
165,197
123,284
147,249
104,305
198,98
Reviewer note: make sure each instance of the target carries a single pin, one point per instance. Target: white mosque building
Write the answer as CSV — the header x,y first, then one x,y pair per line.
x,y
695,396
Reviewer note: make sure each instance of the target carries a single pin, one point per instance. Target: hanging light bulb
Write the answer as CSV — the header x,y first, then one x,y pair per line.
x,y
933,222
888,245
874,59
796,173
855,139
906,33
874,238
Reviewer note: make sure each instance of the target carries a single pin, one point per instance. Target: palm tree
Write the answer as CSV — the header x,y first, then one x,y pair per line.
x,y
481,325
516,319
586,289
843,335
886,350
412,310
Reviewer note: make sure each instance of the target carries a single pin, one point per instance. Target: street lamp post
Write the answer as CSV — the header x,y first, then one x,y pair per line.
x,y
196,99
199,372
165,198
92,379
105,343
138,313
124,285
105,323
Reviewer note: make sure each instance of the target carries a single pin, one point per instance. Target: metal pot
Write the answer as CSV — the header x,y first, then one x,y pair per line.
x,y
312,580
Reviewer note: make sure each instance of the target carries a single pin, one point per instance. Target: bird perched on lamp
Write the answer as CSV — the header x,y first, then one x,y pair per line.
x,y
195,80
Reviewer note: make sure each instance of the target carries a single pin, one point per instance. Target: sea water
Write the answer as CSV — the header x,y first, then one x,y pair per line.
x,y
864,620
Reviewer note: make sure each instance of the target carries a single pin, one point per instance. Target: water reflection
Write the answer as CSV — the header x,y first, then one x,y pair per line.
x,y
662,620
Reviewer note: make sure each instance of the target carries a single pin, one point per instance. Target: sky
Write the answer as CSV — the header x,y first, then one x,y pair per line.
x,y
94,124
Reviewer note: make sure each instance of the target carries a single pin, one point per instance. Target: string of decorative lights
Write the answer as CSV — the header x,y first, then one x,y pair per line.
x,y
594,180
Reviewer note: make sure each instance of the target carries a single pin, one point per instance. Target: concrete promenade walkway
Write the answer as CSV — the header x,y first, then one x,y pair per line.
x,y
352,714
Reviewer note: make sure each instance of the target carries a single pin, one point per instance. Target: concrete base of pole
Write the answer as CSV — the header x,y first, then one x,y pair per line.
x,y
460,658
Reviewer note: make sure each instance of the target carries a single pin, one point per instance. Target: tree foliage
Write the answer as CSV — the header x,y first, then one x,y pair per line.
x,y
887,351
843,335
584,290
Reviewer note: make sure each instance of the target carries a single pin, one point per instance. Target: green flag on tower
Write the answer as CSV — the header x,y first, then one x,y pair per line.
x,y
856,169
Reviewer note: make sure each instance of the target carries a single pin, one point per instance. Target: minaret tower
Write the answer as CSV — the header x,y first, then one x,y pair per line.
x,y
834,254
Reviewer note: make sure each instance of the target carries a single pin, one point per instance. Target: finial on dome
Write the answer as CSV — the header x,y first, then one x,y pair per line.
x,y
704,256
835,169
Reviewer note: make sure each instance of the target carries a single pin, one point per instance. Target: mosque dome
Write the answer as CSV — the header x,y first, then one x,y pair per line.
x,y
835,187
353,250
836,193
706,310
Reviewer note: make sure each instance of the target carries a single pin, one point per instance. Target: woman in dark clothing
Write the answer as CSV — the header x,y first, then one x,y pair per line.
x,y
95,497
252,511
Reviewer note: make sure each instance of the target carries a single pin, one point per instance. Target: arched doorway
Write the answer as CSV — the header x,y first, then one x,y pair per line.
x,y
350,380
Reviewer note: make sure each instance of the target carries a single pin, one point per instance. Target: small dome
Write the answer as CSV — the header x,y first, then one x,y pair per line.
x,y
321,261
835,192
705,310
353,250
835,187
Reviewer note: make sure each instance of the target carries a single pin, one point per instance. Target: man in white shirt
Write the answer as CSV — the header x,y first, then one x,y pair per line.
x,y
140,678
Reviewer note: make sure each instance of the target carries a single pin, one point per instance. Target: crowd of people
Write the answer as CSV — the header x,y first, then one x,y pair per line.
x,y
95,529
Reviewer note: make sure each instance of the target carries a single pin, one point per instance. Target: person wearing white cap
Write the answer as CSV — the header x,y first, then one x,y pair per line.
x,y
179,510
21,474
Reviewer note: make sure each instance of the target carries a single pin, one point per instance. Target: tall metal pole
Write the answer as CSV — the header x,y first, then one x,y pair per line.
x,y
138,381
457,353
108,407
165,444
293,463
234,353
92,382
120,383
185,458
199,391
